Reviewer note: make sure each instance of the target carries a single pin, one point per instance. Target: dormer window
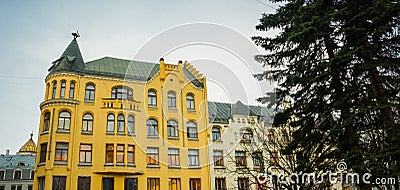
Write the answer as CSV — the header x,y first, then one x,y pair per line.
x,y
21,164
122,93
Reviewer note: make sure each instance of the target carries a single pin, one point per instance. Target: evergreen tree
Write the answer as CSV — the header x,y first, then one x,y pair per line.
x,y
337,62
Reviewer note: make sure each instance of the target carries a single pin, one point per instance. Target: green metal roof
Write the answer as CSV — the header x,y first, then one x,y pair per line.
x,y
71,61
11,161
219,112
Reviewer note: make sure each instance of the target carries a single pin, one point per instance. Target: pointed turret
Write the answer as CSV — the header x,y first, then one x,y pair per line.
x,y
28,148
70,60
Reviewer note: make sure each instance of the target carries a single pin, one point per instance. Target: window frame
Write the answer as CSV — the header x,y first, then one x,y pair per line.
x,y
195,184
131,124
173,157
63,119
87,123
84,182
152,98
109,159
121,124
43,153
131,183
174,183
72,90
90,92
130,152
172,128
109,122
193,159
88,151
19,176
192,132
120,154
243,183
62,150
152,128
220,184
152,157
153,183
63,87
216,136
218,158
53,95
59,182
46,121
171,100
240,158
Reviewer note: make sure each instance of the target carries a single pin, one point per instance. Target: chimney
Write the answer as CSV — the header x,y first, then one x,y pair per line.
x,y
8,152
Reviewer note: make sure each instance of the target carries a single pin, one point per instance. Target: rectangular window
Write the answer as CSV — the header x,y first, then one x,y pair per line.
x,y
131,184
62,89
120,153
195,184
153,183
218,158
257,159
85,154
83,183
243,184
17,174
41,182
32,175
43,151
72,90
2,175
220,184
173,157
174,183
59,182
152,156
61,152
54,90
19,187
193,155
13,187
2,187
110,153
131,154
240,158
108,183
30,187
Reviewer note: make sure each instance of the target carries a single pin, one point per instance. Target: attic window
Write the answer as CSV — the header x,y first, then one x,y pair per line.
x,y
21,164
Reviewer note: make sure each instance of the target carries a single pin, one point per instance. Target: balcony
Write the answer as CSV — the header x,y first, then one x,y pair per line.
x,y
121,104
59,101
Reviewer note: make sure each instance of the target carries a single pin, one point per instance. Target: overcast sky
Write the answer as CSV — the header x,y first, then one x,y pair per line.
x,y
35,33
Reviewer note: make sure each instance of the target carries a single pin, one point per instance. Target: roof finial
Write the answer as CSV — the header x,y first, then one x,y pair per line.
x,y
76,34
32,135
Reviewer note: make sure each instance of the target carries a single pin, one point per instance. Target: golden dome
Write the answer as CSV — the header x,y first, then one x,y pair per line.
x,y
29,147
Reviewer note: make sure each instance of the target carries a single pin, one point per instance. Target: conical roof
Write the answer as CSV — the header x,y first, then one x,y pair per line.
x,y
70,60
29,147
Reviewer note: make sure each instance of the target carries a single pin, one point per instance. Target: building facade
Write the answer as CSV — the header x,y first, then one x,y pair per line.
x,y
236,145
16,171
117,124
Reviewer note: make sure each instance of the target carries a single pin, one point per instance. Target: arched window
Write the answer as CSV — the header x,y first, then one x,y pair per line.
x,y
171,100
246,134
152,128
152,98
46,121
110,123
192,130
64,120
131,124
172,127
87,123
47,91
54,89
122,93
121,123
190,101
62,89
89,93
216,134
72,90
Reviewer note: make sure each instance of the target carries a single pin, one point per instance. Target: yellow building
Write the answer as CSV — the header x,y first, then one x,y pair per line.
x,y
117,124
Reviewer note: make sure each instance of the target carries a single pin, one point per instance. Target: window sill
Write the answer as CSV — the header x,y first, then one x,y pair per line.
x,y
153,137
84,164
62,131
194,167
173,138
193,139
174,167
191,110
218,140
132,134
89,102
41,164
87,133
60,163
219,167
173,109
131,165
110,133
152,107
109,164
121,133
45,132
120,164
153,166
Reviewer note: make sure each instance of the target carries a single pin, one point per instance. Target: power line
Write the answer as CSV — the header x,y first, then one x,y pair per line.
x,y
20,77
266,4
